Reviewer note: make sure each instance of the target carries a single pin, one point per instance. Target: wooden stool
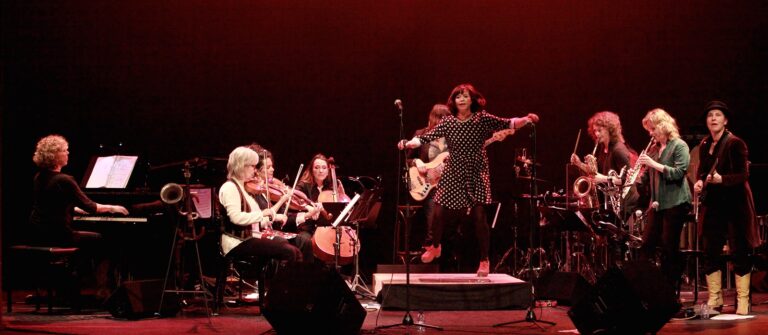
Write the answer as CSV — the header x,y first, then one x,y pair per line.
x,y
47,263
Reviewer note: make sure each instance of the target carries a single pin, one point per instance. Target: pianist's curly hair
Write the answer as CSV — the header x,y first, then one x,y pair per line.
x,y
46,150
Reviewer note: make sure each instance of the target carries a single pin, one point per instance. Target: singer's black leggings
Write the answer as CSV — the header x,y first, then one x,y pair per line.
x,y
726,224
445,217
663,231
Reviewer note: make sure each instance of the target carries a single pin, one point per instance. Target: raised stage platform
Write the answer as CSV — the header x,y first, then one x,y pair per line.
x,y
452,291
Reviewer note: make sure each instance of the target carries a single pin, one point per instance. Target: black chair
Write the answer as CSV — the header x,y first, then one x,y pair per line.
x,y
49,268
239,268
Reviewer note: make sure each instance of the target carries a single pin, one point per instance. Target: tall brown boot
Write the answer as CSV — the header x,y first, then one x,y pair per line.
x,y
742,294
714,286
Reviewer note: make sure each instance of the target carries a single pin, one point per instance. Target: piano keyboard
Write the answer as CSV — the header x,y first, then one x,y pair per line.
x,y
126,219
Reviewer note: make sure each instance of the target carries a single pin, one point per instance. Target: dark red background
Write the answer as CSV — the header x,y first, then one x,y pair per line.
x,y
173,80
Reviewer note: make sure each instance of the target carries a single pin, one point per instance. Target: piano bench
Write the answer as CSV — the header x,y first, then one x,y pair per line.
x,y
48,266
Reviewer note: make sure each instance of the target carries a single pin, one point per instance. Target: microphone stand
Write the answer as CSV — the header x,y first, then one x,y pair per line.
x,y
403,172
530,315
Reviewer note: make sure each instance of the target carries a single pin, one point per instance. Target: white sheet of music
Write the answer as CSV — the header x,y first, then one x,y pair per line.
x,y
201,198
346,210
112,172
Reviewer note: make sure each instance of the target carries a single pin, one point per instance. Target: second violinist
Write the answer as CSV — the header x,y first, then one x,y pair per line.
x,y
279,194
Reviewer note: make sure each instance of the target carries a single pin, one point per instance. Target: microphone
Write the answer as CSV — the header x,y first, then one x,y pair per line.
x,y
399,104
353,178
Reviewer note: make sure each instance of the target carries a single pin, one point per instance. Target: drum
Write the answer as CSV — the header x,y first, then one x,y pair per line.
x,y
325,238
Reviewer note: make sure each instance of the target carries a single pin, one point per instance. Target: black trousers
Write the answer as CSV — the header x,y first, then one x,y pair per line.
x,y
277,248
445,217
663,232
721,225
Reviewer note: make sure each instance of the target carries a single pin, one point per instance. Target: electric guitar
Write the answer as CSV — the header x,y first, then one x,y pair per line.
x,y
422,184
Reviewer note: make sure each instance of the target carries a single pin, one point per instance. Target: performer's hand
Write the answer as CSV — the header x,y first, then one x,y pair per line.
x,y
698,186
80,211
401,144
533,118
575,159
280,218
118,209
715,178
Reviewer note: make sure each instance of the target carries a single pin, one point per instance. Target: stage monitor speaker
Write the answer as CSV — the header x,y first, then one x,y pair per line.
x,y
565,287
633,299
140,299
310,299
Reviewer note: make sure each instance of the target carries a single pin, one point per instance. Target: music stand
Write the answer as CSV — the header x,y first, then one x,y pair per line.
x,y
190,215
530,315
362,213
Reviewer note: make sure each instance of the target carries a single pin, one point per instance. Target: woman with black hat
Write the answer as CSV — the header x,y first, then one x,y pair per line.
x,y
722,183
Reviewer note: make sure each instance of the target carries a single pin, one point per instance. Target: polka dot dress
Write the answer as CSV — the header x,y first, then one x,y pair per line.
x,y
465,181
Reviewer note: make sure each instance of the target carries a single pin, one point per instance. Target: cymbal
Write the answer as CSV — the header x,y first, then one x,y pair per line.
x,y
538,180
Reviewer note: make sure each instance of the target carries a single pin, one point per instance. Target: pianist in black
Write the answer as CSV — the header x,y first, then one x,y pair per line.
x,y
55,197
246,224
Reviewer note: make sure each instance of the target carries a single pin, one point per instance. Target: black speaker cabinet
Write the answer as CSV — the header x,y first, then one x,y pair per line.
x,y
633,299
311,299
140,298
565,287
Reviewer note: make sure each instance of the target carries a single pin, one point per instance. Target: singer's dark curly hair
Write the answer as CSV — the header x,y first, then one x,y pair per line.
x,y
478,101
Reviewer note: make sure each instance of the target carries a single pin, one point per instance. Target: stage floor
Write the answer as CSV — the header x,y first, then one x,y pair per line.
x,y
243,320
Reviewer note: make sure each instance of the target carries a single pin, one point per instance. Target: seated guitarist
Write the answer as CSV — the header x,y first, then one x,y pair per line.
x,y
425,154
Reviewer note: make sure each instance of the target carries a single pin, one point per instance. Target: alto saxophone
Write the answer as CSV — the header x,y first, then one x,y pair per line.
x,y
634,172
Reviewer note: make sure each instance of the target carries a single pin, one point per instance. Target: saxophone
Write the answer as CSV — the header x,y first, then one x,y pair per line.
x,y
584,187
634,172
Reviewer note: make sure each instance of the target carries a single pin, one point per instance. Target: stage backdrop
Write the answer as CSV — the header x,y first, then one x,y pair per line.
x,y
175,80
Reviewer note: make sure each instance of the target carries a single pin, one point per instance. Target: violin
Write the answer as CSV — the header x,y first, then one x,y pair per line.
x,y
276,190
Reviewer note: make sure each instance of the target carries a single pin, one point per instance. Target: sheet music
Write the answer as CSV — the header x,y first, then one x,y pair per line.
x,y
201,198
346,210
111,172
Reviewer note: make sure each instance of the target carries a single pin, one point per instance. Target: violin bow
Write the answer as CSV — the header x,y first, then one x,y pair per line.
x,y
290,193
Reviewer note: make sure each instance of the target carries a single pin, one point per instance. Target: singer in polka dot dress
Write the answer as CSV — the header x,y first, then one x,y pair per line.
x,y
465,185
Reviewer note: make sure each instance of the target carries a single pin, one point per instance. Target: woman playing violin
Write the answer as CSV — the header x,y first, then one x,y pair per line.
x,y
245,219
279,192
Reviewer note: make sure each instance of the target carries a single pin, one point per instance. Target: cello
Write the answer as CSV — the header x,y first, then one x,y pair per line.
x,y
324,239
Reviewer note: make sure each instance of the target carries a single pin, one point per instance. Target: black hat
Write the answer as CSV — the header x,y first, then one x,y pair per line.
x,y
715,104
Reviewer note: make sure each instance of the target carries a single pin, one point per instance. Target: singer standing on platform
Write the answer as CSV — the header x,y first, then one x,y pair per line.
x,y
465,187
669,193
729,210
426,154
